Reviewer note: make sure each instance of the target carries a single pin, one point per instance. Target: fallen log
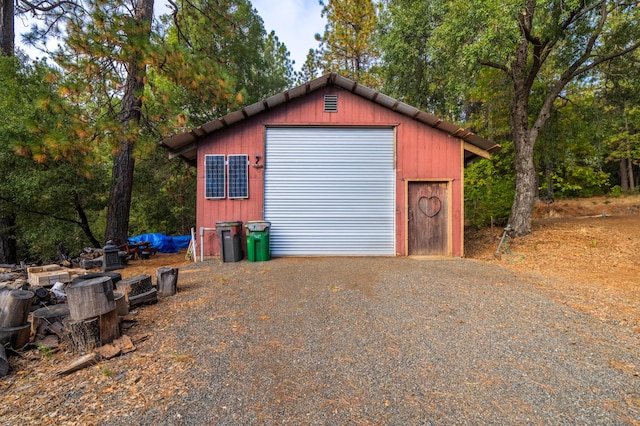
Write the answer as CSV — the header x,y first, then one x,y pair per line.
x,y
82,362
147,298
14,307
90,298
167,281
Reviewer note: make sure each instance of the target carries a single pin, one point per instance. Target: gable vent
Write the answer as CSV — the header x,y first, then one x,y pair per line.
x,y
331,103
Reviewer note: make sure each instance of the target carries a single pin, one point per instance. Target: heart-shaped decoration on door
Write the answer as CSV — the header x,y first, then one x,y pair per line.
x,y
430,206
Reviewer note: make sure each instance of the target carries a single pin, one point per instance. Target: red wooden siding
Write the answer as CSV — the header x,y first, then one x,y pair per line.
x,y
423,153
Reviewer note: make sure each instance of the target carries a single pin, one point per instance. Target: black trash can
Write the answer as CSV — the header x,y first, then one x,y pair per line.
x,y
230,240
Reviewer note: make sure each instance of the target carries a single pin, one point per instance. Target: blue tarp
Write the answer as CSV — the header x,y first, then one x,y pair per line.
x,y
163,243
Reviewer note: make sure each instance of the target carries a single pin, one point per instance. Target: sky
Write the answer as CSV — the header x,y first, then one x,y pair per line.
x,y
294,21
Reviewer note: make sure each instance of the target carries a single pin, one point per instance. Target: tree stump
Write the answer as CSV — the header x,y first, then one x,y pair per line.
x,y
135,286
122,307
167,281
17,337
90,298
47,316
14,307
109,327
4,364
82,335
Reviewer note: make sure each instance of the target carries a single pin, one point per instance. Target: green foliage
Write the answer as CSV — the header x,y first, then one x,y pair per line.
x,y
310,69
348,44
615,191
213,57
570,152
164,196
489,189
45,351
46,181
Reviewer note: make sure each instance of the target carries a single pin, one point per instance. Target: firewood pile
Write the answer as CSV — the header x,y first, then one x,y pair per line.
x,y
52,308
90,258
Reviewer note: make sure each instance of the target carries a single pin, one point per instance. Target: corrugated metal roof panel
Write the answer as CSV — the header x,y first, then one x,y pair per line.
x,y
407,110
212,126
254,109
447,127
298,91
177,142
233,117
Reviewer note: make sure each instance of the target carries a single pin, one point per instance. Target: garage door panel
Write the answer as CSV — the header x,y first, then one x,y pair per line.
x,y
330,191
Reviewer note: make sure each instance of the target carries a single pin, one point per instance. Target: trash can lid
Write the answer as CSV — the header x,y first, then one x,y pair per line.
x,y
257,225
222,224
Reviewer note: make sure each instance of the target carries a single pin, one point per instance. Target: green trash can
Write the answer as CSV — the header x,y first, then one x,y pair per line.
x,y
258,240
229,238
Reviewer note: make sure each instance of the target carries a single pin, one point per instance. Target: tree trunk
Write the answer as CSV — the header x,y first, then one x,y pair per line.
x,y
117,228
525,191
632,182
624,182
7,31
8,246
84,221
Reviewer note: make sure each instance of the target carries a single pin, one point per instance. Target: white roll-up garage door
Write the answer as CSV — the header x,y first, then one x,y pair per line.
x,y
330,191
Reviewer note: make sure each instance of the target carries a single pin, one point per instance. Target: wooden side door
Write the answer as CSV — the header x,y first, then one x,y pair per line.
x,y
428,217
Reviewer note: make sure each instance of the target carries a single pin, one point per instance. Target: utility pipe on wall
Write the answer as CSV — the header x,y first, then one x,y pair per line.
x,y
202,231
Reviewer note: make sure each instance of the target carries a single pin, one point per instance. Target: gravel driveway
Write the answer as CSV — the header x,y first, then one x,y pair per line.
x,y
388,341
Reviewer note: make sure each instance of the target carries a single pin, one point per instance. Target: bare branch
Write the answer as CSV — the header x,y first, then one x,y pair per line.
x,y
44,6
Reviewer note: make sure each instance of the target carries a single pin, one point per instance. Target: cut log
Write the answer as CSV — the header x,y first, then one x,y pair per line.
x,y
48,315
148,298
57,329
50,341
134,286
109,327
122,306
82,362
4,364
90,298
14,307
167,281
83,335
115,277
17,337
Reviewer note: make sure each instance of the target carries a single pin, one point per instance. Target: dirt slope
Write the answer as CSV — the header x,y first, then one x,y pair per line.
x,y
586,252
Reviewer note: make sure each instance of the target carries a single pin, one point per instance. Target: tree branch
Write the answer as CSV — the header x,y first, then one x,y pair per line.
x,y
40,7
46,214
495,65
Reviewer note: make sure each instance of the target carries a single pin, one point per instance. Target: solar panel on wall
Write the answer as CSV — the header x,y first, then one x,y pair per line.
x,y
238,176
214,176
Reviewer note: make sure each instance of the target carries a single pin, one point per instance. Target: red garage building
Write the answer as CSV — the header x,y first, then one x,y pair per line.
x,y
338,169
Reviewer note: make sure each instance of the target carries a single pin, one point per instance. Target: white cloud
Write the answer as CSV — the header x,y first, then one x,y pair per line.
x,y
295,23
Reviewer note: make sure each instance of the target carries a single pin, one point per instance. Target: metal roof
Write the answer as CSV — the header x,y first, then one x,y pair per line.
x,y
184,145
